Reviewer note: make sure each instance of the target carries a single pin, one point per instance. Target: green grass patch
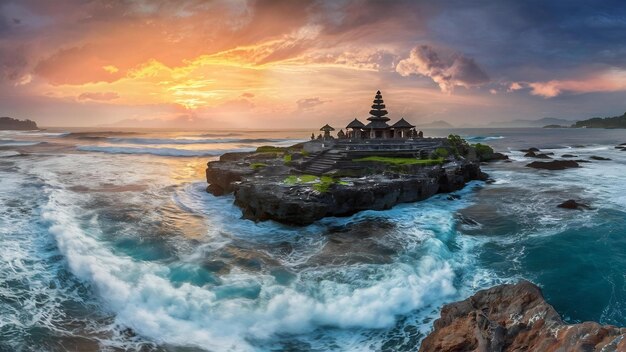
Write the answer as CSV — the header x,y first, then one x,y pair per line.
x,y
400,161
257,166
287,159
320,184
270,149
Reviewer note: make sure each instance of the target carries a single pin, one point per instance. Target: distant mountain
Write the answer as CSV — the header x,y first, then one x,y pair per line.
x,y
606,122
532,123
7,123
435,124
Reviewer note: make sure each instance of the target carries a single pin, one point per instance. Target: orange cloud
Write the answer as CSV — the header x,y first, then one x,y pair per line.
x,y
609,81
104,96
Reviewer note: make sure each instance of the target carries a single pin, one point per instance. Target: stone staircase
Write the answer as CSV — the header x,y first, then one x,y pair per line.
x,y
323,162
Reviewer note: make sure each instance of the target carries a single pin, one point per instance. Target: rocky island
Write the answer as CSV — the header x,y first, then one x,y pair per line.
x,y
372,167
7,123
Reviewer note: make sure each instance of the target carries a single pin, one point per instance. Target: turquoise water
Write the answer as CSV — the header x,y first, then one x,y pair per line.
x,y
109,241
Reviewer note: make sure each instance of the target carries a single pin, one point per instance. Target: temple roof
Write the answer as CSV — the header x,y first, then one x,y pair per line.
x,y
355,124
327,127
402,124
377,124
378,111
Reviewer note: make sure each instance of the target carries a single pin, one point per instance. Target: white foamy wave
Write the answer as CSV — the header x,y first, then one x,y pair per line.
x,y
483,138
155,151
184,141
146,301
7,153
14,143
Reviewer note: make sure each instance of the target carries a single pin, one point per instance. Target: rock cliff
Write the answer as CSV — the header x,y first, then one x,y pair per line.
x,y
267,188
516,318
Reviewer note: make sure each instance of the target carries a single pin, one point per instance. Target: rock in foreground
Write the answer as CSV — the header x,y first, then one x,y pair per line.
x,y
515,318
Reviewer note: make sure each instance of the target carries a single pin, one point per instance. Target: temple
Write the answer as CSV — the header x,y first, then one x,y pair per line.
x,y
377,128
377,138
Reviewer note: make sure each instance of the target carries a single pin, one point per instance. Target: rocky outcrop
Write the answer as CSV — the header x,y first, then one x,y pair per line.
x,y
532,154
599,158
573,204
515,318
553,165
7,123
302,205
268,186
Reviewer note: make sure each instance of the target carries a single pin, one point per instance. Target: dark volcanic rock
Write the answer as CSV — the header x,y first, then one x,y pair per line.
x,y
569,156
515,318
302,205
533,149
572,204
594,157
537,155
553,165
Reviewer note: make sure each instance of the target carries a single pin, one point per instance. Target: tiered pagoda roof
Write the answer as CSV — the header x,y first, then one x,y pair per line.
x,y
378,120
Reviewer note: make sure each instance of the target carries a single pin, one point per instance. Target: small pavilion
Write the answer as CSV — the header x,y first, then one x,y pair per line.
x,y
327,129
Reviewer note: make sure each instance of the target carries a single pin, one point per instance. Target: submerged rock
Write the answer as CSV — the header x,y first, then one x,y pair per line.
x,y
572,204
532,154
554,165
594,157
533,149
515,318
569,156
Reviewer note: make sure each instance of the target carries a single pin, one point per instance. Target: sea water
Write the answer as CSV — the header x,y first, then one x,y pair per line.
x,y
110,242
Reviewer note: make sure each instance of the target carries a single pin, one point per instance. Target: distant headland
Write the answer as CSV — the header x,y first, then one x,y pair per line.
x,y
8,123
602,122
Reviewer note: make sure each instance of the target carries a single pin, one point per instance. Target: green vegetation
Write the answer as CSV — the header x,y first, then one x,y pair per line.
x,y
441,153
599,122
483,152
400,161
320,184
324,185
287,159
257,166
270,149
458,145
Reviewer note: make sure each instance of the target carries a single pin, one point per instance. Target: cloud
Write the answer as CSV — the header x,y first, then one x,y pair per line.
x,y
515,86
613,80
447,72
309,103
99,96
247,95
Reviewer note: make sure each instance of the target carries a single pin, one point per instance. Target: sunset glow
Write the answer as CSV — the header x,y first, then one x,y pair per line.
x,y
260,64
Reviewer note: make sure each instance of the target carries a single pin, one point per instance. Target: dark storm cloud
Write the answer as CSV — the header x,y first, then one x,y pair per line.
x,y
552,36
447,72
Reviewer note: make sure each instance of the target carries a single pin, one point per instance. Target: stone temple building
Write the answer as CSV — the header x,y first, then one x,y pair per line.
x,y
378,126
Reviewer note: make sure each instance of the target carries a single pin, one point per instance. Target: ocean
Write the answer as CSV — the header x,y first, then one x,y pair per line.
x,y
110,242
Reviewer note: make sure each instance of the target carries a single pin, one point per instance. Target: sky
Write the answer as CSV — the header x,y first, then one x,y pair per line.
x,y
266,64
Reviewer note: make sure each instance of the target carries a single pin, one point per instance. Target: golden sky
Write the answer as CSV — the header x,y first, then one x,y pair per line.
x,y
270,64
